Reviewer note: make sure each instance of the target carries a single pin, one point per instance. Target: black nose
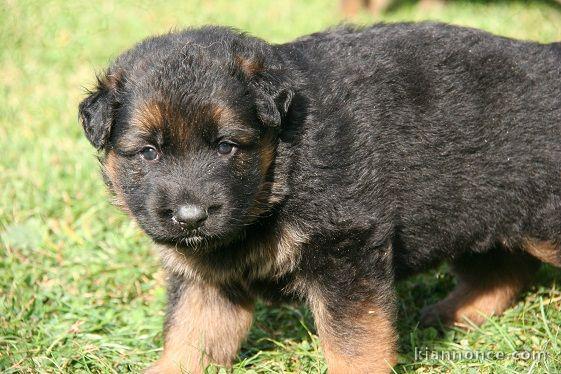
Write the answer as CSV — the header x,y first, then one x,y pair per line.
x,y
189,215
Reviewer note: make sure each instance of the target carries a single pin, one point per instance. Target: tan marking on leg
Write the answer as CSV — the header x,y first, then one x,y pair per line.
x,y
205,328
369,344
543,250
483,291
471,303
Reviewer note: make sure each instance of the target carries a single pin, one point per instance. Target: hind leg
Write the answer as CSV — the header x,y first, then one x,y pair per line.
x,y
544,250
488,283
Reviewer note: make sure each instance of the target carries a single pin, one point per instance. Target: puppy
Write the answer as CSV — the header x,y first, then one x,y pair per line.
x,y
328,168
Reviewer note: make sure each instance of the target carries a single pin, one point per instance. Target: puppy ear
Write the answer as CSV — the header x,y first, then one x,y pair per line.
x,y
273,97
272,89
96,112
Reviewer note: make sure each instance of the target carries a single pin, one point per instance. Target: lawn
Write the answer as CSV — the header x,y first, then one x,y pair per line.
x,y
80,287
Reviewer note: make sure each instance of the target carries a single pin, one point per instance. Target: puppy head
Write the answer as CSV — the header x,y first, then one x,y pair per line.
x,y
188,124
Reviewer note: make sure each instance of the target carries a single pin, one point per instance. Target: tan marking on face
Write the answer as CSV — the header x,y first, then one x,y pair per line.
x,y
225,118
371,348
543,250
249,66
266,154
265,196
222,115
205,328
148,117
111,170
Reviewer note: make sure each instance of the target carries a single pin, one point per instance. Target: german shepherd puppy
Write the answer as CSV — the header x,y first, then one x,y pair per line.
x,y
328,168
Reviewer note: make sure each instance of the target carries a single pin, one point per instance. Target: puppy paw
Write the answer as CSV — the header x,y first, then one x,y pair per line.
x,y
436,316
162,368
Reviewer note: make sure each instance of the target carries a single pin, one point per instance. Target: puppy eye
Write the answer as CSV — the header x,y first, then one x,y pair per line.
x,y
149,153
225,148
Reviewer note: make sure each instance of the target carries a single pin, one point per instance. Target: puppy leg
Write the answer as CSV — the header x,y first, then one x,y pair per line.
x,y
488,283
203,325
354,311
356,337
546,251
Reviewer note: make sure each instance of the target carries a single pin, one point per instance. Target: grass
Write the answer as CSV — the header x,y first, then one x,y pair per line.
x,y
80,289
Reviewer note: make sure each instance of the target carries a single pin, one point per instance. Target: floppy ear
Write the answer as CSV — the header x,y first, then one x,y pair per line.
x,y
273,97
96,113
271,87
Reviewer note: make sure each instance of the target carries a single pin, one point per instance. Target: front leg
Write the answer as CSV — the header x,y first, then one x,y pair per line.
x,y
204,324
353,303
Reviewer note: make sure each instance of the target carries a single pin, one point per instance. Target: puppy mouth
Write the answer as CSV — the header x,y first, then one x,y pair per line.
x,y
192,241
191,237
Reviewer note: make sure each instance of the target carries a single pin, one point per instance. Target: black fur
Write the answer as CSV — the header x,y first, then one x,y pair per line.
x,y
396,146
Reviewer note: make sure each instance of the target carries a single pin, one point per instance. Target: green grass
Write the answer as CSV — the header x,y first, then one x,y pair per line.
x,y
80,289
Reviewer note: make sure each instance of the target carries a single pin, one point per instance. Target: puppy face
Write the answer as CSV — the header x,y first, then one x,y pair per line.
x,y
189,134
188,169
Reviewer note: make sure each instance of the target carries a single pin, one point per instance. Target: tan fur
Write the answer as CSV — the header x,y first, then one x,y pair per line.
x,y
249,66
286,249
148,117
221,114
204,328
545,251
370,349
265,196
469,304
267,154
274,255
111,169
226,117
480,295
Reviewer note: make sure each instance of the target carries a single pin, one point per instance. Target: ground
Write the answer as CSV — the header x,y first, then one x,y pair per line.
x,y
80,289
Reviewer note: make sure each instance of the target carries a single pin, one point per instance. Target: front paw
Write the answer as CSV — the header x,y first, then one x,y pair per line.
x,y
163,367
